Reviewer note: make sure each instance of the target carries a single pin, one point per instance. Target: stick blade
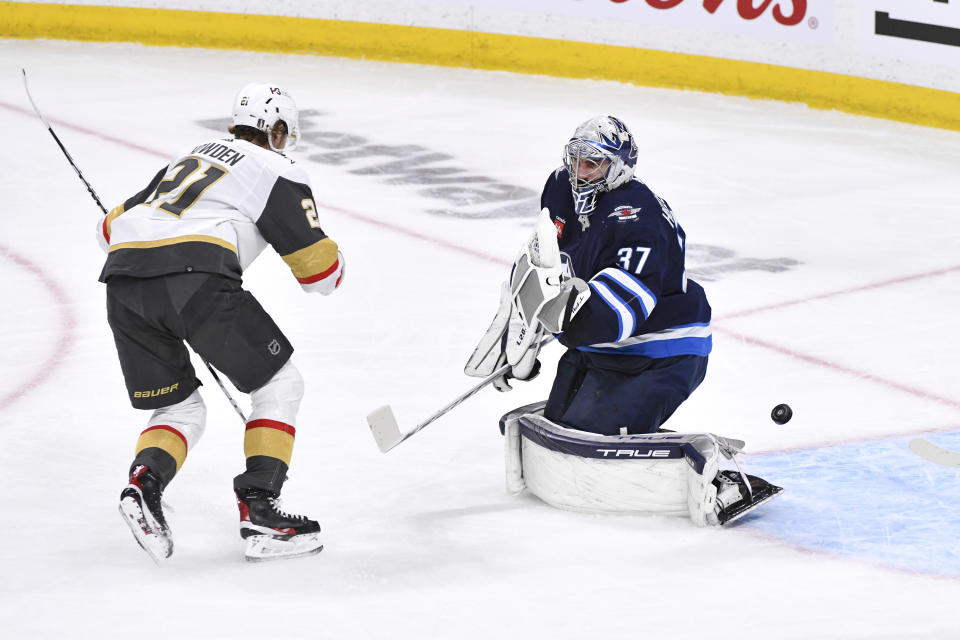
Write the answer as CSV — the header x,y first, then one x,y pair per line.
x,y
932,453
383,425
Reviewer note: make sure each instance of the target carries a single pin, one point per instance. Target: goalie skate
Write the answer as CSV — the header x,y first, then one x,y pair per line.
x,y
735,499
141,509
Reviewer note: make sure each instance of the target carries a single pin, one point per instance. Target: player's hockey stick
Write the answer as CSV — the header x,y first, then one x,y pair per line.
x,y
386,431
96,199
932,453
73,164
213,372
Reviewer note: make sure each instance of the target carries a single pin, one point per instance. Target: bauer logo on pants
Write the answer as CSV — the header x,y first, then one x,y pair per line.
x,y
153,393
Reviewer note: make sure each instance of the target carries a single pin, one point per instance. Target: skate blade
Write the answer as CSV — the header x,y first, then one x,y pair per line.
x,y
263,548
747,508
158,546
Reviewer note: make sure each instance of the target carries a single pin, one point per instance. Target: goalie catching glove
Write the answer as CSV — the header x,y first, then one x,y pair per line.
x,y
542,289
541,297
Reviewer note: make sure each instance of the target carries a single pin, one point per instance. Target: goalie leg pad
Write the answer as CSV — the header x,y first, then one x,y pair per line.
x,y
662,473
666,474
513,462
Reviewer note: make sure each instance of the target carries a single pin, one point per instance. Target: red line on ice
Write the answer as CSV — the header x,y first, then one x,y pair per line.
x,y
820,362
67,335
841,292
90,132
383,224
897,386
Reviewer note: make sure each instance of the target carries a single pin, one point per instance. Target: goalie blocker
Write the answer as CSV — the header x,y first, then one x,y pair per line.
x,y
541,297
664,473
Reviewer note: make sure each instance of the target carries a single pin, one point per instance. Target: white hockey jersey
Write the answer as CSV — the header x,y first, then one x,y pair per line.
x,y
214,209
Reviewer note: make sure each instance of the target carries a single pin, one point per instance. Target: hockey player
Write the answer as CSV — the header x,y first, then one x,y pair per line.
x,y
176,254
604,273
638,334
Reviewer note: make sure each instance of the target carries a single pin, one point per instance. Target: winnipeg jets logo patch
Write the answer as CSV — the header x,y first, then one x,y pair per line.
x,y
625,213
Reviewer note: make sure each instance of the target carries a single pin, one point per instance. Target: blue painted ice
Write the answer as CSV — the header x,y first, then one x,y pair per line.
x,y
872,500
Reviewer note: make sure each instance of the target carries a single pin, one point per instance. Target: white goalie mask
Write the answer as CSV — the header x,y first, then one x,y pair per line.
x,y
262,106
600,156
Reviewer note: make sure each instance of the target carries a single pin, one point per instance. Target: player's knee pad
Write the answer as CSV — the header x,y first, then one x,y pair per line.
x,y
279,399
186,419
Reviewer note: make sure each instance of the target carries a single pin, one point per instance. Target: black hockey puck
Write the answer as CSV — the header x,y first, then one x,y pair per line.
x,y
781,414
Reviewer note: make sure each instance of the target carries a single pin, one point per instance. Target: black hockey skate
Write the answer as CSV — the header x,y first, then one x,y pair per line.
x,y
272,533
735,499
141,510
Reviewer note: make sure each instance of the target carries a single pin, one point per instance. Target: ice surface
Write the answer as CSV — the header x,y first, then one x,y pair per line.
x,y
827,244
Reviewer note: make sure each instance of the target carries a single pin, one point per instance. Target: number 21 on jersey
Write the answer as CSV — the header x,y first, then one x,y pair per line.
x,y
177,193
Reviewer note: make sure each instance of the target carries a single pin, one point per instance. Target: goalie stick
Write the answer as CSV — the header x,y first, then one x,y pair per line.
x,y
386,431
932,453
96,198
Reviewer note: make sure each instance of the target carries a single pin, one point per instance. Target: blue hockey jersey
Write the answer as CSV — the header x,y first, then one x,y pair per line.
x,y
630,249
